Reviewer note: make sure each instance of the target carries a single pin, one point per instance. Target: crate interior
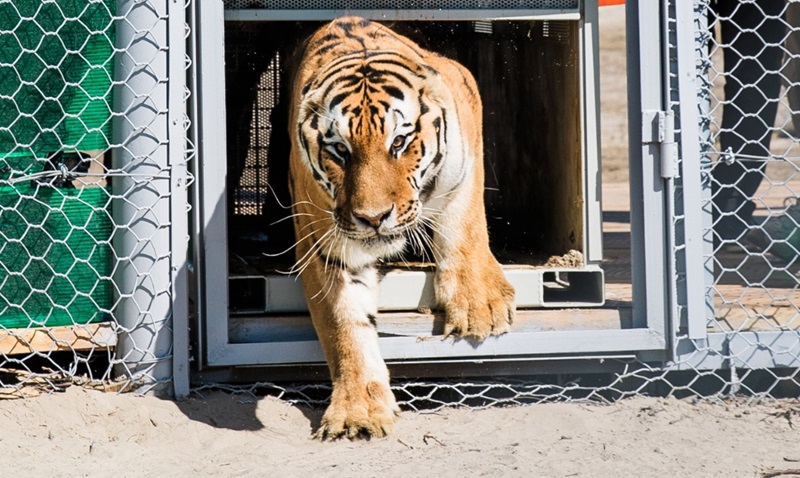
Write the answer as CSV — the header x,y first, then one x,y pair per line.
x,y
528,76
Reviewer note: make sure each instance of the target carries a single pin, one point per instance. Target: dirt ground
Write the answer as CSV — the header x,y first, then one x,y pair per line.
x,y
82,432
89,433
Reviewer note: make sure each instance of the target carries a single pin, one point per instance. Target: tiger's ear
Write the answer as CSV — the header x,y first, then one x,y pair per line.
x,y
435,88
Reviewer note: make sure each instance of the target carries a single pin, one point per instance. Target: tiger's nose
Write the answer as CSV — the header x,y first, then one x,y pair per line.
x,y
372,220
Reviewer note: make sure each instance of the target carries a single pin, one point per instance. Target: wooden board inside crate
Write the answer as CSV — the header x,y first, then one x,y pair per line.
x,y
529,78
57,339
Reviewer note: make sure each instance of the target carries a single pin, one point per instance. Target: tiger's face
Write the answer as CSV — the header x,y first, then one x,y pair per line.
x,y
373,141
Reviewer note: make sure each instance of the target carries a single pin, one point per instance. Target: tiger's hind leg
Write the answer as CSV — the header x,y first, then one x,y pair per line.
x,y
343,307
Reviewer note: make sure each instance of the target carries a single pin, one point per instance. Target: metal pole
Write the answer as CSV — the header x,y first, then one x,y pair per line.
x,y
696,188
141,206
179,200
648,208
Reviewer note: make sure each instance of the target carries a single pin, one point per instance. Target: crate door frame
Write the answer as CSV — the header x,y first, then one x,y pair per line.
x,y
650,309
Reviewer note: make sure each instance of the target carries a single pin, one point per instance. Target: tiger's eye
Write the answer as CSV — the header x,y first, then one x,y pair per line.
x,y
341,148
398,142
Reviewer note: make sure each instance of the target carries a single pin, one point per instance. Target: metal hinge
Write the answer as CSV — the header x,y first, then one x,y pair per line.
x,y
658,127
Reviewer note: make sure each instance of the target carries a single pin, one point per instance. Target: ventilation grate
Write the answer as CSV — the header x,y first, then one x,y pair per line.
x,y
403,4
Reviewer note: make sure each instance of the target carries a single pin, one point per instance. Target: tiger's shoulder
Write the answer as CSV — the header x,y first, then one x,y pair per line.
x,y
347,36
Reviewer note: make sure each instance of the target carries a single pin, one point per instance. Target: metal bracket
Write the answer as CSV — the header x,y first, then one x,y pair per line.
x,y
658,127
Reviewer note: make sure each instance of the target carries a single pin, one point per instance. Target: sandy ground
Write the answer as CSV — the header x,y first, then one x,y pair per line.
x,y
87,433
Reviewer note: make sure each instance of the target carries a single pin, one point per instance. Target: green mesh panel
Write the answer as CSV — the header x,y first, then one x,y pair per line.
x,y
55,256
56,61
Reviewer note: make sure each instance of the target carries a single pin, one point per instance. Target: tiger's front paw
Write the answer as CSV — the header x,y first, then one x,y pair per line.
x,y
478,300
359,412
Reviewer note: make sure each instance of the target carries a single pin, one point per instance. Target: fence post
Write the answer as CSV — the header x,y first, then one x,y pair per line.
x,y
142,204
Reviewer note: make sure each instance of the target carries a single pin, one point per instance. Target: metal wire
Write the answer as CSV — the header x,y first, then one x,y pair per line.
x,y
74,258
81,203
752,348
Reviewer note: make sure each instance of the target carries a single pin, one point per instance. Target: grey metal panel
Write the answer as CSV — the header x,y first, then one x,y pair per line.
x,y
179,230
256,327
348,5
196,237
668,160
412,289
590,109
404,290
391,15
693,188
703,102
765,349
434,368
708,354
411,348
751,350
212,167
409,290
648,234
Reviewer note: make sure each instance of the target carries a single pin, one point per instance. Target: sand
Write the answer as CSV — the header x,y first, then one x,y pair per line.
x,y
89,433
82,432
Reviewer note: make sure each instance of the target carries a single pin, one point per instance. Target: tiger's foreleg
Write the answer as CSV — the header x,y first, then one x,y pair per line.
x,y
343,305
470,285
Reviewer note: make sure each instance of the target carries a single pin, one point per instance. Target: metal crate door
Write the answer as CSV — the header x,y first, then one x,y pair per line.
x,y
648,336
736,222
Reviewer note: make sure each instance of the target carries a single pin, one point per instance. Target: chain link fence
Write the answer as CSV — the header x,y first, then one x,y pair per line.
x,y
744,339
754,164
92,142
733,204
95,145
748,78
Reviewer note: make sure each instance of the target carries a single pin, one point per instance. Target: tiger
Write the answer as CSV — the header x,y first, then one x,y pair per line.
x,y
386,151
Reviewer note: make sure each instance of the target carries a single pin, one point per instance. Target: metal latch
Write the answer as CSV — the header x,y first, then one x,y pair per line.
x,y
659,127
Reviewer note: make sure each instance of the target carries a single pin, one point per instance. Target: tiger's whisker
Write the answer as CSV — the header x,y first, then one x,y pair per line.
x,y
302,263
288,248
290,216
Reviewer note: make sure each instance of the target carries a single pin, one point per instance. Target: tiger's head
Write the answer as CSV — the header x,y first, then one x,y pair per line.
x,y
372,134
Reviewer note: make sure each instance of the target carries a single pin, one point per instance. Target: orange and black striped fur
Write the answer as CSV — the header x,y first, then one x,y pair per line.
x,y
386,144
